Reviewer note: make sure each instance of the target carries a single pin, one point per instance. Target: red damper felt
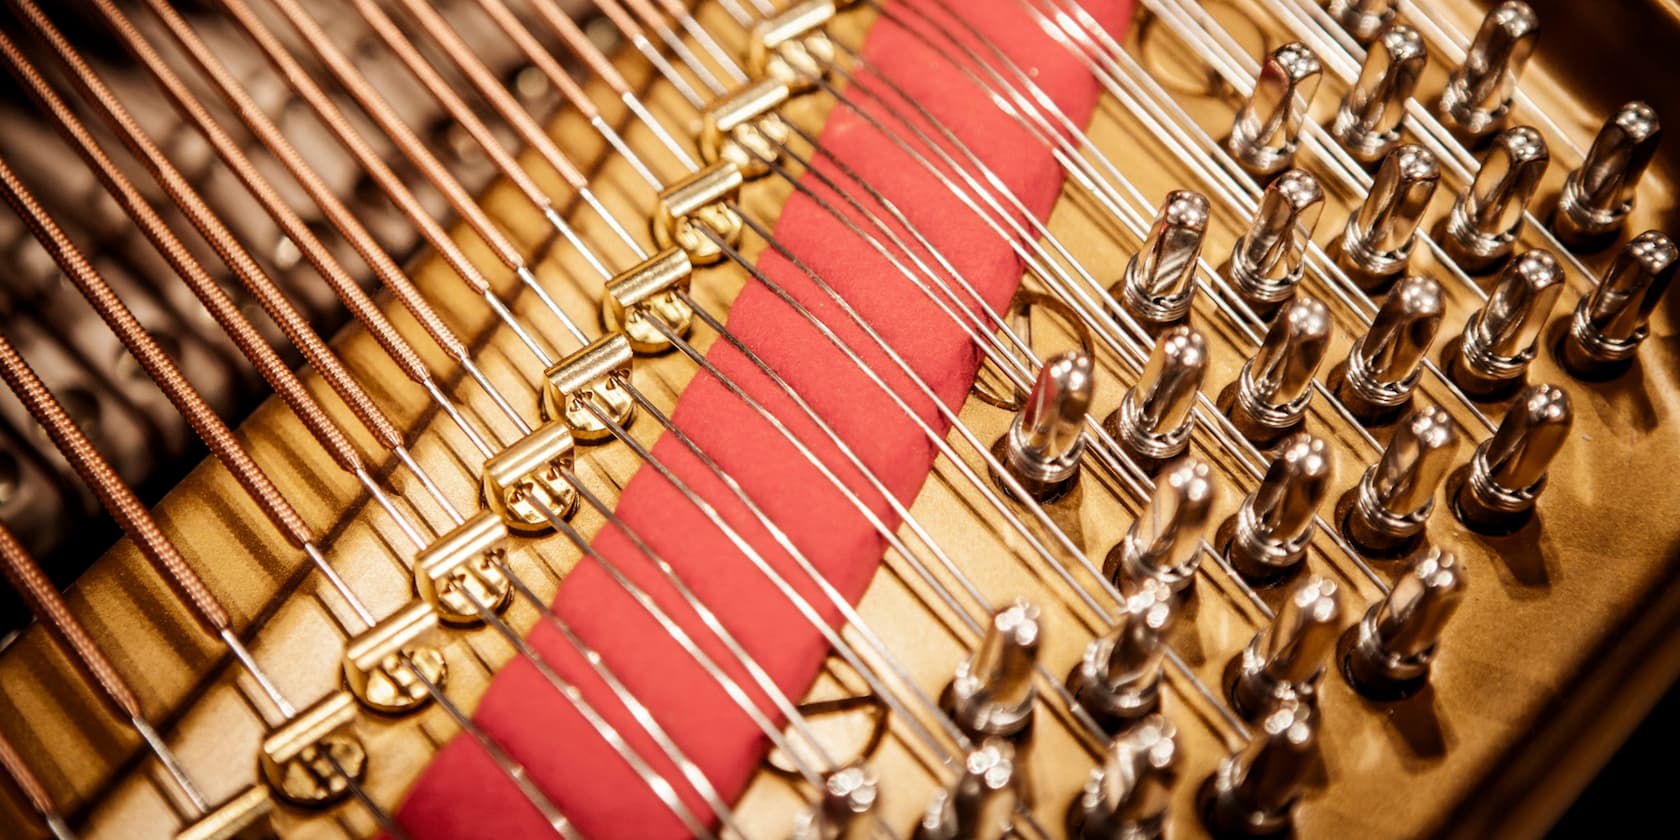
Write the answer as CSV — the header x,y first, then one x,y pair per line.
x,y
462,794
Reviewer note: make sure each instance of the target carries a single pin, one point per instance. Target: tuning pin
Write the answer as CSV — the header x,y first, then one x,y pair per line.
x,y
1377,241
992,693
1485,222
1160,280
1268,126
1276,383
1364,19
1163,544
981,805
1267,261
1395,642
1609,322
848,797
1254,789
1042,447
1500,339
1477,99
1597,197
1126,798
1156,416
1508,470
1396,495
1368,122
1118,681
1386,362
1275,523
1286,660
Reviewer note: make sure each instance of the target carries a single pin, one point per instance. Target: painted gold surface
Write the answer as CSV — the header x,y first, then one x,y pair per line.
x,y
1563,640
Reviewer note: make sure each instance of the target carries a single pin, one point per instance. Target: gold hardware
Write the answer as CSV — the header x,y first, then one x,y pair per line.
x,y
380,662
742,126
248,816
649,290
461,569
315,757
524,481
591,374
699,199
791,46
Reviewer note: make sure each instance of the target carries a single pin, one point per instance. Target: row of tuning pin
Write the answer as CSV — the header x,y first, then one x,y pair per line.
x,y
1387,653
1043,446
1274,685
1484,224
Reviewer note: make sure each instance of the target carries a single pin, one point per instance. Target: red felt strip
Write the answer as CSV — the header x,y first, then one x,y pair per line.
x,y
462,794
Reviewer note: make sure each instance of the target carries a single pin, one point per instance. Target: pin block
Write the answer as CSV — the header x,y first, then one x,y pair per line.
x,y
700,199
315,757
523,484
380,662
791,46
649,291
248,816
591,375
460,572
742,126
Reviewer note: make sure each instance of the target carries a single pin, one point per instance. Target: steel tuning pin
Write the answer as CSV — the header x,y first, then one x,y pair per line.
x,y
1395,642
1477,99
1384,364
1255,788
848,796
1267,260
1597,197
1610,321
1500,340
1156,416
1042,447
1377,242
1508,470
1126,797
1396,495
981,804
1364,19
1118,680
1267,129
1276,522
1285,661
992,692
1483,225
1368,122
1160,280
1163,544
1275,384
